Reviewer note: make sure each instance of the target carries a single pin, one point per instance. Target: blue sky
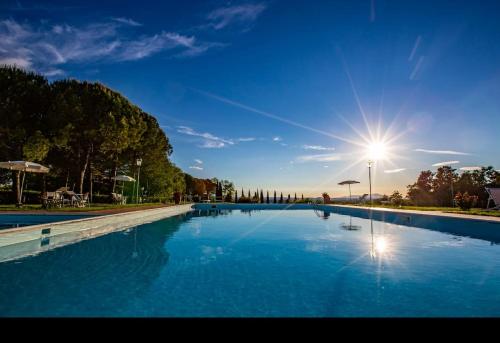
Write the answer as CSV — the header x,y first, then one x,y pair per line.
x,y
285,94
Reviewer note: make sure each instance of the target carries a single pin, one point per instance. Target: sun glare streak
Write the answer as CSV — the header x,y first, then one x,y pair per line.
x,y
354,92
271,115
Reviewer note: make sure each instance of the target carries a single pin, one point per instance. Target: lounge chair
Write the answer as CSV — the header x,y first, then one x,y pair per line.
x,y
494,194
116,198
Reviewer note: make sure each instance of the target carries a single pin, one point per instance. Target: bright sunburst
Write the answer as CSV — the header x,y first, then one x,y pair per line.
x,y
377,151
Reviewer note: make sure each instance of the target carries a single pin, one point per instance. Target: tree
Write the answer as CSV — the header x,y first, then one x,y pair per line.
x,y
261,197
24,100
235,196
281,198
420,193
442,185
295,198
267,197
396,198
288,200
274,201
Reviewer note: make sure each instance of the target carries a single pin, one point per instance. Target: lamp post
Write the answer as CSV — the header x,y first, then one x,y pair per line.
x,y
138,162
370,163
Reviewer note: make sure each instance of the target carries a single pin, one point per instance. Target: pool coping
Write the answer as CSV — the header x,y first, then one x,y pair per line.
x,y
30,240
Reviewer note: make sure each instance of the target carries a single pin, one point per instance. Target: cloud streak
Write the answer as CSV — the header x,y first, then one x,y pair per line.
x,y
240,14
443,152
317,147
392,171
47,48
196,167
319,158
127,21
209,140
446,163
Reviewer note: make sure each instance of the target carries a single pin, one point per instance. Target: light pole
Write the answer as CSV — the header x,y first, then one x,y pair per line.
x,y
370,162
138,162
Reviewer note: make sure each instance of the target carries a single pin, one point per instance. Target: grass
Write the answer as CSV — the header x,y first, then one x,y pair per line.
x,y
93,207
472,211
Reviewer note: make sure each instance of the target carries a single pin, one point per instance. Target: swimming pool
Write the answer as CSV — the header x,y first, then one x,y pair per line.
x,y
8,221
298,263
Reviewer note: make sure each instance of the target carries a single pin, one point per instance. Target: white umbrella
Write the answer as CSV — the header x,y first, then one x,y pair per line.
x,y
348,182
123,178
26,167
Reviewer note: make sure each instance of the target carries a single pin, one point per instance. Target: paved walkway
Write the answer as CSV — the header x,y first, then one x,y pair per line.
x,y
427,213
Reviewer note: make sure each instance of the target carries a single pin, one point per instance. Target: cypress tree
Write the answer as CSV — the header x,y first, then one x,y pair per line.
x,y
267,197
274,201
302,196
288,200
281,198
235,196
261,197
295,198
249,197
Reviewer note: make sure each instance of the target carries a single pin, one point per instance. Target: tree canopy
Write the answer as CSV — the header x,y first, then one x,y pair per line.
x,y
79,128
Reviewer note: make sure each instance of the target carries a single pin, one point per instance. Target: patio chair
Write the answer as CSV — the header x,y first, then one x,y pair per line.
x,y
84,200
116,198
494,195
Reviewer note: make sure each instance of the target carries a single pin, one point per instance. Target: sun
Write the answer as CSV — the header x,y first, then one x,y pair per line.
x,y
377,151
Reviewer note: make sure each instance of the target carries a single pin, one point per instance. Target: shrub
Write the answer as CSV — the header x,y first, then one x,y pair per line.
x,y
465,201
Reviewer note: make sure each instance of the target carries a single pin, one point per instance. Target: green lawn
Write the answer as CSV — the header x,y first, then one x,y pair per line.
x,y
93,207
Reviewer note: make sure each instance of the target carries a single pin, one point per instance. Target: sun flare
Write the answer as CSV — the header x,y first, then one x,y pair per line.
x,y
377,151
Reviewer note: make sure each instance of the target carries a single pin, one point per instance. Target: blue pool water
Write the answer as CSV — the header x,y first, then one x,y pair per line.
x,y
8,221
261,263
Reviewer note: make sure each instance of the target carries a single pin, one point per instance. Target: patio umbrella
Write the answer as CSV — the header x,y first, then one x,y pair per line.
x,y
25,167
348,182
123,178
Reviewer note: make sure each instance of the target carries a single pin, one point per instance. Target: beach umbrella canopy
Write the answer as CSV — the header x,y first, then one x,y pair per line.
x,y
25,166
124,178
348,182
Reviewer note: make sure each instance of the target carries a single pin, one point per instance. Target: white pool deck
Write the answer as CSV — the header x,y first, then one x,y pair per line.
x,y
31,240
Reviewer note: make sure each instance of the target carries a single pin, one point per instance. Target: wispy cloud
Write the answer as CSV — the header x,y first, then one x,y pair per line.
x,y
127,21
198,161
47,48
277,139
472,168
317,147
442,152
246,139
391,171
196,167
209,140
319,158
446,163
243,14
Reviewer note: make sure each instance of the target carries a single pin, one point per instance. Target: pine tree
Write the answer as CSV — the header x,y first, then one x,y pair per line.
x,y
274,197
267,197
261,197
281,198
